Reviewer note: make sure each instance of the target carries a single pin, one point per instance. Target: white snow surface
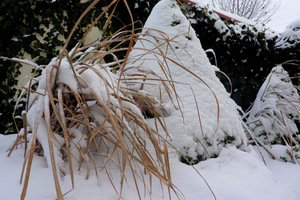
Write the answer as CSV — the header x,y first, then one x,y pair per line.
x,y
291,35
197,86
236,17
276,107
238,27
234,175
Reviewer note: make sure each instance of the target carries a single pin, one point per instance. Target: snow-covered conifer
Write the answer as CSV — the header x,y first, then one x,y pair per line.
x,y
201,117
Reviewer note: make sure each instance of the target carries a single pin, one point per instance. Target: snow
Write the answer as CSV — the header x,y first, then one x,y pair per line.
x,y
241,24
199,90
291,36
275,109
235,17
288,12
234,174
24,61
15,39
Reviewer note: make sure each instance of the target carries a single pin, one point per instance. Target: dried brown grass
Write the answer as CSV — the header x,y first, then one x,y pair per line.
x,y
122,139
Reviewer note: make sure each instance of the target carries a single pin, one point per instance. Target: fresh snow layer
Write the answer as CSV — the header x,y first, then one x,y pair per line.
x,y
209,114
234,175
275,110
239,26
291,36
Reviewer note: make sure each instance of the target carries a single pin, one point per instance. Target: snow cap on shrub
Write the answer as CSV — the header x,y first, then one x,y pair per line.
x,y
275,111
201,119
291,36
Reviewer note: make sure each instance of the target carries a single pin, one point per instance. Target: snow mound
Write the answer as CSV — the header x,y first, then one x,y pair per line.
x,y
291,36
233,175
201,118
276,110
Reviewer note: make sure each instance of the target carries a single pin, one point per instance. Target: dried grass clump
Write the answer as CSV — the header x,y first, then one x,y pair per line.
x,y
87,111
80,112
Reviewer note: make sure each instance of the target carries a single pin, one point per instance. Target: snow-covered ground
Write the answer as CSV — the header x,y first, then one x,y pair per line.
x,y
233,175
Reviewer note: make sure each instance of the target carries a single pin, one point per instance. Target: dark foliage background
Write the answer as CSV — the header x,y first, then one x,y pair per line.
x,y
246,56
20,23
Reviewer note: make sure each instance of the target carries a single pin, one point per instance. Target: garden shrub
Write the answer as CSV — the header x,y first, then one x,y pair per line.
x,y
275,115
276,111
201,119
246,53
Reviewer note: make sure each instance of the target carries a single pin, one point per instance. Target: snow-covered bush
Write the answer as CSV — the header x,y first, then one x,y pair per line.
x,y
291,36
275,115
288,47
246,52
201,119
80,112
243,51
39,29
81,115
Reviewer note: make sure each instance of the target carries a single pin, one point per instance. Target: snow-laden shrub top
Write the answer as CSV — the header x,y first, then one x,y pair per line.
x,y
244,52
201,117
68,82
82,114
276,110
291,36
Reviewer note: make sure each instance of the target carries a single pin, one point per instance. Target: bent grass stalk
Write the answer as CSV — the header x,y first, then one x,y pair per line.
x,y
111,142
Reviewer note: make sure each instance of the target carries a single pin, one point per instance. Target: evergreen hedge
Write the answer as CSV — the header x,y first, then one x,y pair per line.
x,y
244,52
24,21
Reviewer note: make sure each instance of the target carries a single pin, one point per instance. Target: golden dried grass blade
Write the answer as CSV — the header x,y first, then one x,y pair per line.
x,y
24,117
18,139
66,134
168,170
229,80
85,159
50,135
30,159
76,25
130,46
93,24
